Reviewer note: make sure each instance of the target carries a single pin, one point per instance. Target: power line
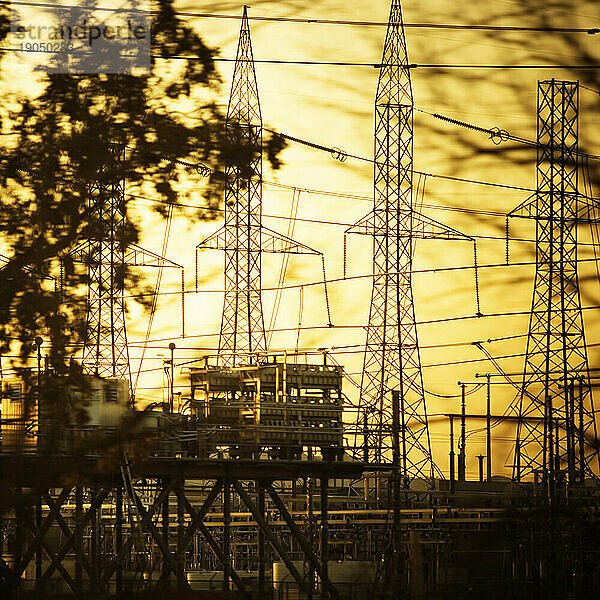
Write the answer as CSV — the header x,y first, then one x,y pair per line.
x,y
379,65
331,63
315,21
423,322
334,151
496,134
425,366
346,224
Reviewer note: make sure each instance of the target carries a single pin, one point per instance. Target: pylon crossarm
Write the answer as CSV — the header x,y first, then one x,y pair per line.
x,y
133,256
585,211
421,227
364,226
274,242
215,241
136,256
426,228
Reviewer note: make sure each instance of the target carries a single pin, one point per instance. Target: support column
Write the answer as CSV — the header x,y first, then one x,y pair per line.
x,y
165,529
396,412
324,537
581,435
480,458
451,455
19,533
462,451
38,552
181,582
488,429
119,533
226,533
94,535
311,526
261,541
78,538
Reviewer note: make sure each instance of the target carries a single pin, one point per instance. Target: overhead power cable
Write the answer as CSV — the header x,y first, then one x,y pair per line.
x,y
331,63
379,65
316,21
346,224
333,151
496,135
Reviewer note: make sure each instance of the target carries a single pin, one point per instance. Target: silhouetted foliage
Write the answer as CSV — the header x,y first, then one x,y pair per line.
x,y
62,139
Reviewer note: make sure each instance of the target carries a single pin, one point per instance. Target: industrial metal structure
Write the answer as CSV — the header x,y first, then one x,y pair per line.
x,y
280,406
107,255
556,380
105,350
263,483
243,238
392,360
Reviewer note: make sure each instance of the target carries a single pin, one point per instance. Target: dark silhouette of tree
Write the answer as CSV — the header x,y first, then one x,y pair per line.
x,y
59,141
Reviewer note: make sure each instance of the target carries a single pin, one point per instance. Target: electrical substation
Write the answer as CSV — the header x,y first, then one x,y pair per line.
x,y
259,480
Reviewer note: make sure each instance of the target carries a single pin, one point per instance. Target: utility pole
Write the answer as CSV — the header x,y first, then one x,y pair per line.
x,y
172,369
462,456
488,428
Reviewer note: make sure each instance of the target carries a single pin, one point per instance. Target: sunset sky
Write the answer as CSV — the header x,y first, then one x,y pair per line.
x,y
333,106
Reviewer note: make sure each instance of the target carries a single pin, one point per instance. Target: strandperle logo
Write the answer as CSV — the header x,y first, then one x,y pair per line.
x,y
88,33
71,39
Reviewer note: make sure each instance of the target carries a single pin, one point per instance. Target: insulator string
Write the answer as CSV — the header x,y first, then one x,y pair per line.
x,y
507,246
182,303
476,272
300,311
329,323
196,269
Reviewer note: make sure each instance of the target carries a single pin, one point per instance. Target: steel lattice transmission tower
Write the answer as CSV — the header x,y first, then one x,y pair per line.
x,y
556,382
243,238
105,350
107,256
391,360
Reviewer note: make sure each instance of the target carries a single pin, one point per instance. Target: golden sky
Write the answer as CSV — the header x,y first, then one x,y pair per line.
x,y
333,106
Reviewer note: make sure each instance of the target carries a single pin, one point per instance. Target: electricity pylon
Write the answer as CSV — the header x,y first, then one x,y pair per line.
x,y
107,255
391,359
556,380
243,238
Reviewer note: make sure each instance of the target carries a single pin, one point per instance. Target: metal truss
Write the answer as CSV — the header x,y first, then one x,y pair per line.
x,y
556,380
391,360
107,256
243,238
154,528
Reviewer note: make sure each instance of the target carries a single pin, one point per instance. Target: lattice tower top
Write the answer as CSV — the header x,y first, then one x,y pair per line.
x,y
244,103
394,85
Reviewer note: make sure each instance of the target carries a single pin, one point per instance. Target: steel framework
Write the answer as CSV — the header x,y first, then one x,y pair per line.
x,y
243,238
161,516
105,350
107,255
556,381
391,360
